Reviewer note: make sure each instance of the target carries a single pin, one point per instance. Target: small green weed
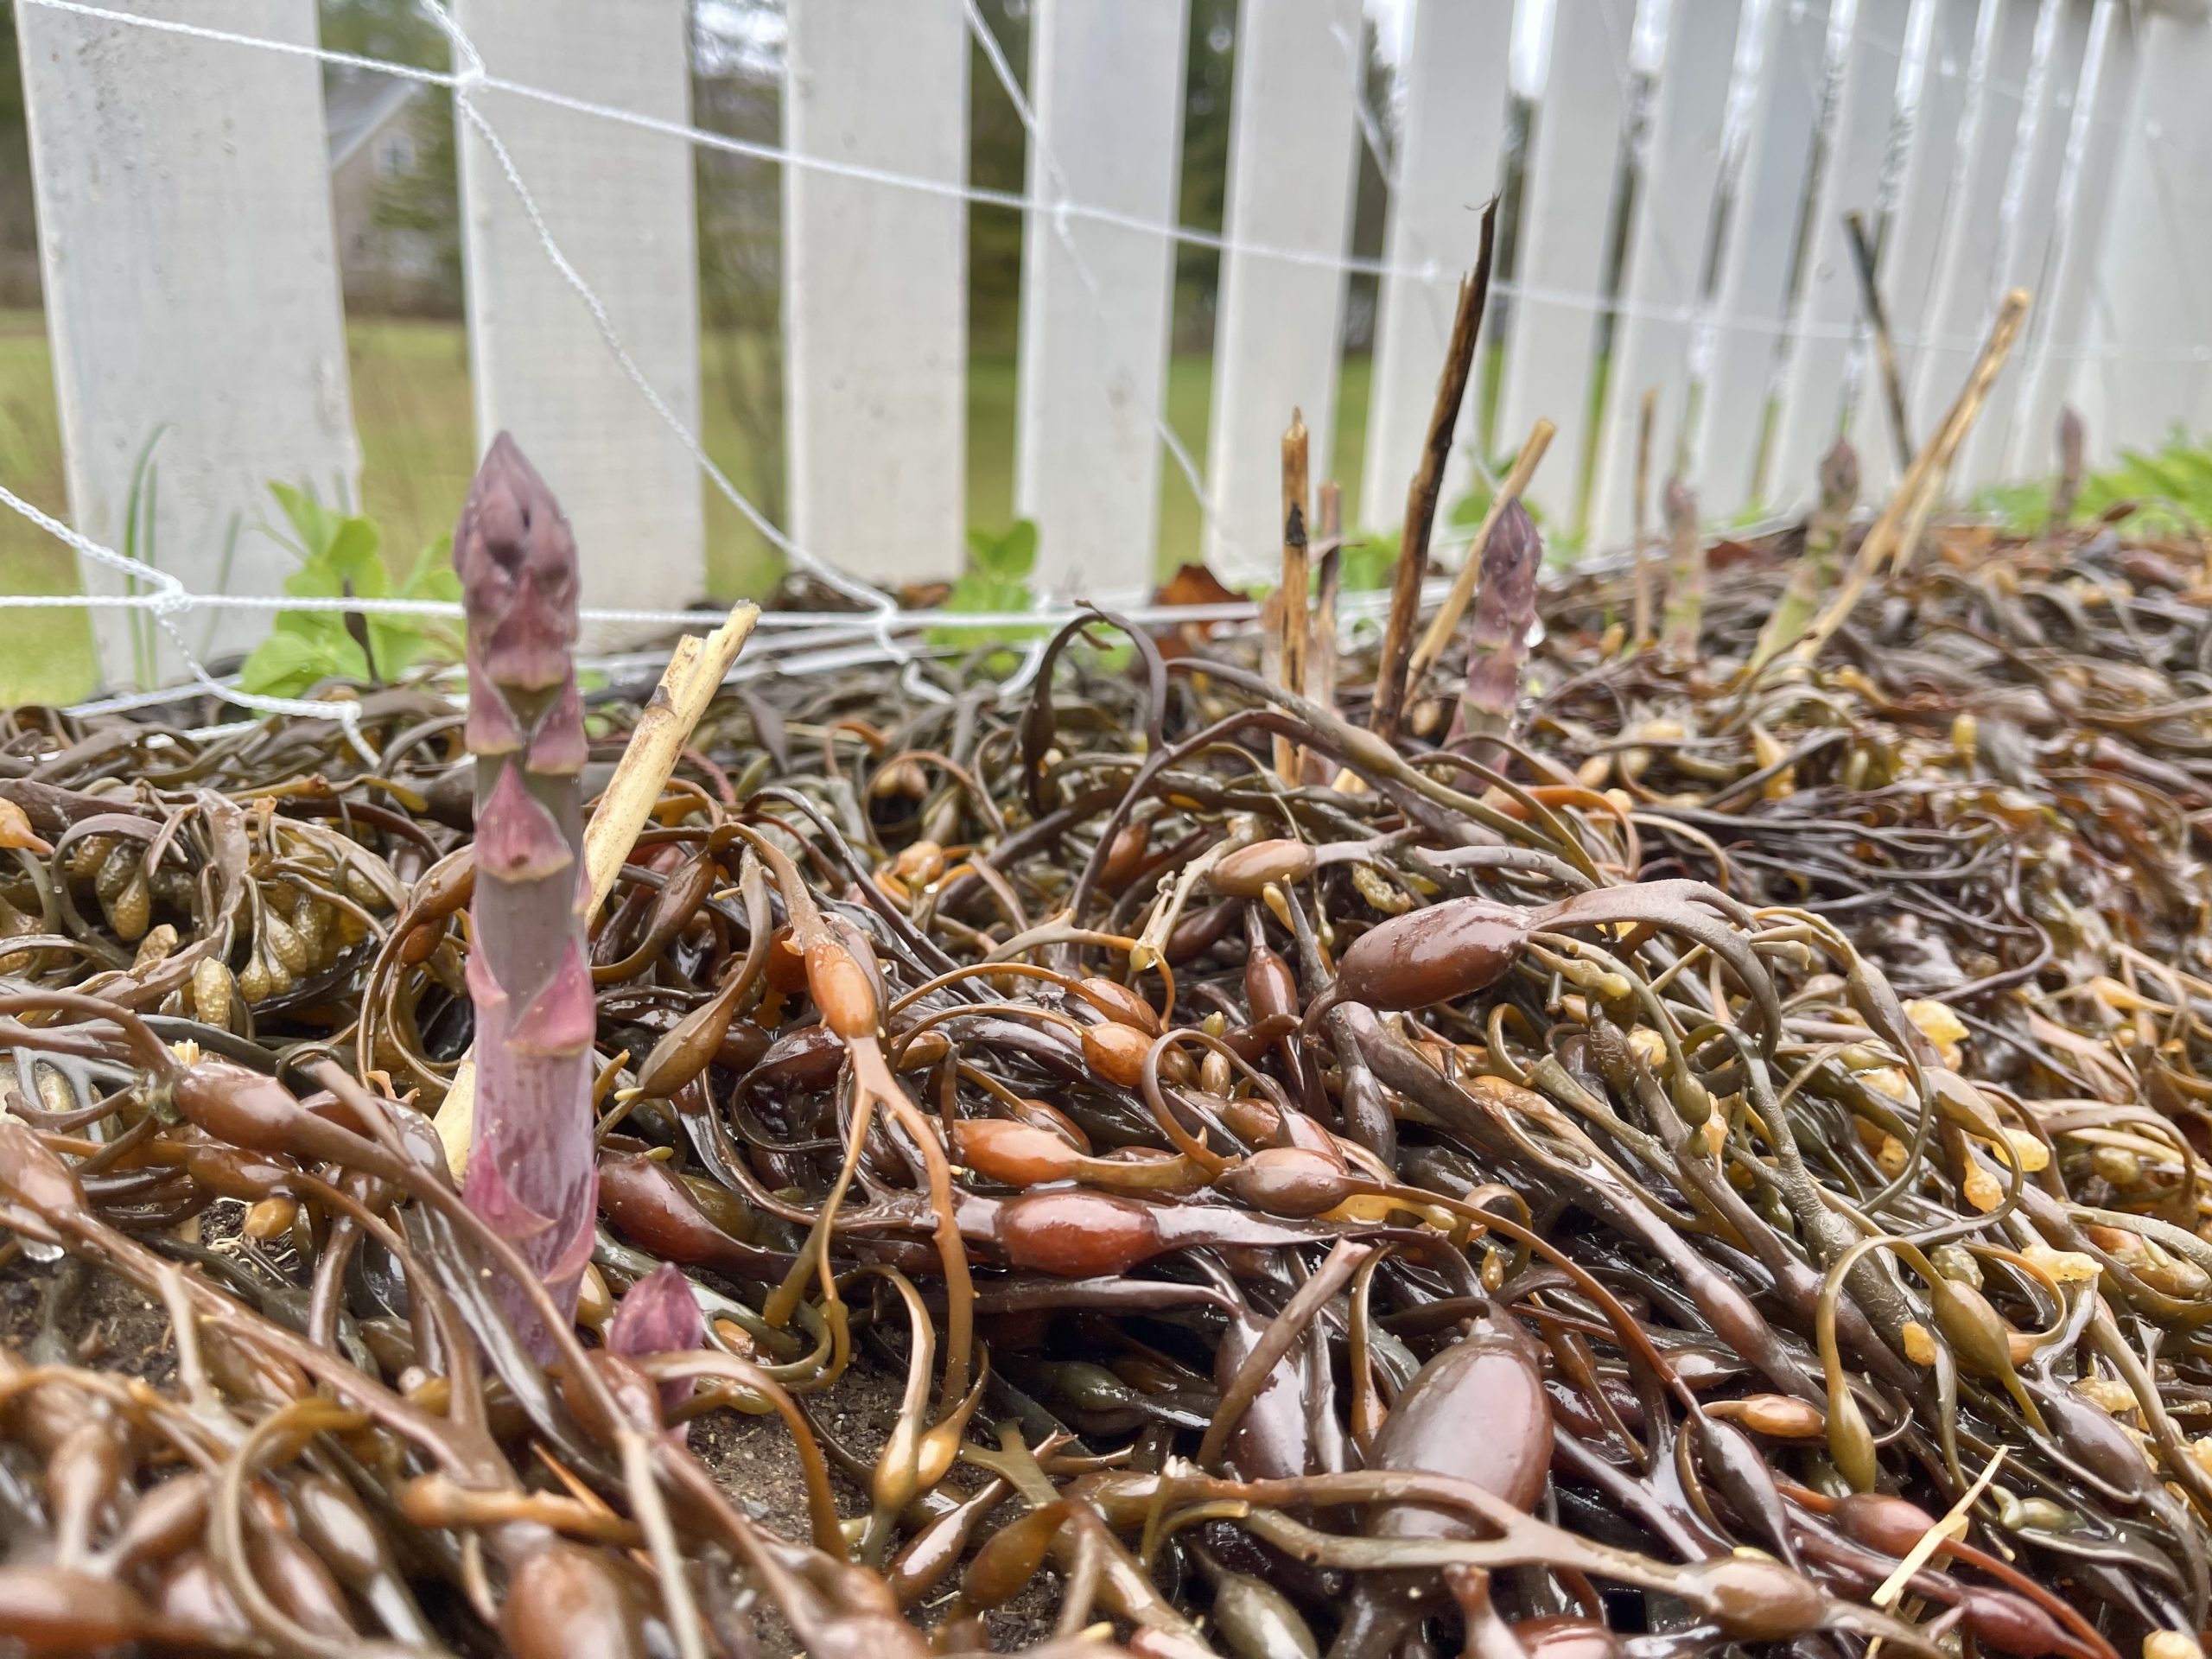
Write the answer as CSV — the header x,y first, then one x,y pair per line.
x,y
1000,564
2170,490
338,559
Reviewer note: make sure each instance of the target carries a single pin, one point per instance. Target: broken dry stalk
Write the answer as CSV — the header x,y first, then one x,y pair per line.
x,y
2068,489
1391,673
1815,572
1885,351
1439,632
1290,615
532,1174
1685,572
1321,650
1639,540
1899,524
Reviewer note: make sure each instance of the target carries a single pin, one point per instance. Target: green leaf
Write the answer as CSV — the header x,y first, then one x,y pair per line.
x,y
433,575
1017,548
315,524
320,628
283,665
1012,553
1367,563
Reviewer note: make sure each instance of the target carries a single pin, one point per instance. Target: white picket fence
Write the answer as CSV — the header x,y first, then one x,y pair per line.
x,y
191,283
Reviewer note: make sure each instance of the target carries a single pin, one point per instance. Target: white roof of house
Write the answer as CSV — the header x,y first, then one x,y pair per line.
x,y
356,104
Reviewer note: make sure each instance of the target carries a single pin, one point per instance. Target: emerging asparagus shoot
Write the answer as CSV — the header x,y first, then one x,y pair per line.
x,y
1498,644
530,1169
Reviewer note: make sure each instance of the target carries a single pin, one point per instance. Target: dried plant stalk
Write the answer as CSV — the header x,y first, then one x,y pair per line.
x,y
1640,551
1685,572
1329,545
2072,441
1898,528
1391,673
1291,617
1815,574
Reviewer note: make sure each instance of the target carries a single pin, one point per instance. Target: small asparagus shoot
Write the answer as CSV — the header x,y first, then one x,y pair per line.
x,y
532,1174
1498,642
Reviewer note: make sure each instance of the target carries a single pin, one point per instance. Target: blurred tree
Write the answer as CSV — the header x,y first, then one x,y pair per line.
x,y
736,90
997,160
18,222
424,196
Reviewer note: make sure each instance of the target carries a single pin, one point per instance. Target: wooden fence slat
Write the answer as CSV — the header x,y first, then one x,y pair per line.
x,y
1752,298
191,285
2032,200
1291,161
1453,80
2152,308
1107,82
1941,345
875,286
1666,259
1566,216
1931,101
2082,213
1814,391
617,202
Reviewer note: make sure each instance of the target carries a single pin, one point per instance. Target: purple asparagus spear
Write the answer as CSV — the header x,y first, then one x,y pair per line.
x,y
659,1315
531,1169
1497,643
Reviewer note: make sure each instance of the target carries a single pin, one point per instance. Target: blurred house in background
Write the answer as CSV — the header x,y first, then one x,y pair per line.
x,y
391,194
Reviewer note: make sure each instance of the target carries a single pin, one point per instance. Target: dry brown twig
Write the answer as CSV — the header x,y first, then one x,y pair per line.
x,y
1291,620
1390,676
1640,523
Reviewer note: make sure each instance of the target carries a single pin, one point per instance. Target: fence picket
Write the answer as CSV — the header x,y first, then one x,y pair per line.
x,y
617,202
875,286
2083,210
2054,145
1752,298
2030,201
1291,161
1813,387
1107,83
191,285
1454,77
1567,205
1931,100
1665,258
1967,288
2152,307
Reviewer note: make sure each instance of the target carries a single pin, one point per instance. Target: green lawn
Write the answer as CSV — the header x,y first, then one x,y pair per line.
x,y
411,405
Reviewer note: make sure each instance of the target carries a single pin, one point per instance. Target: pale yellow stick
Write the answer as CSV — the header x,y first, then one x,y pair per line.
x,y
1899,526
1462,585
694,673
